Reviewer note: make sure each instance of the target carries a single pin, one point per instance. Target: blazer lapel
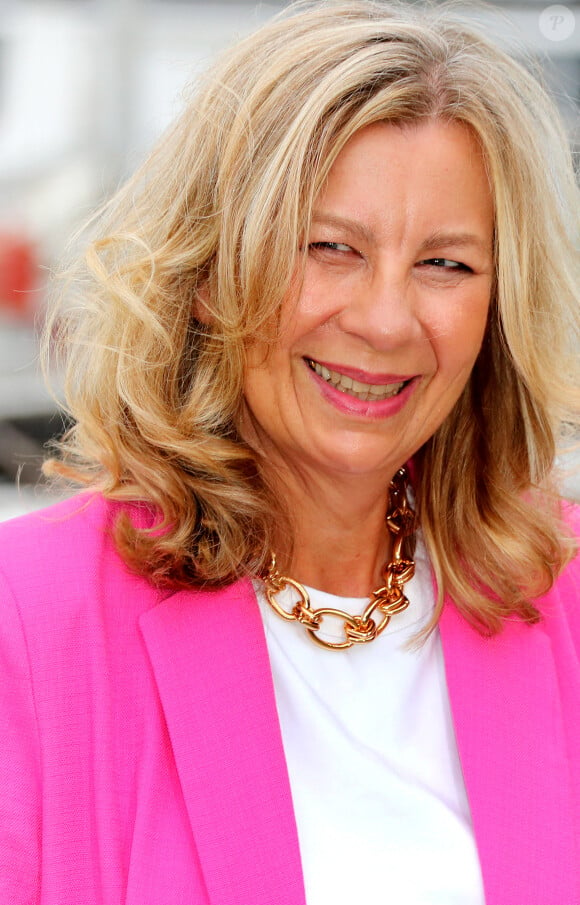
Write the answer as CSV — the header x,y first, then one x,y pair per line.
x,y
212,670
508,719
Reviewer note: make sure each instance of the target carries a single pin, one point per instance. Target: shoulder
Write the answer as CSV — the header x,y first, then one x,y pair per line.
x,y
568,582
571,513
61,561
64,528
76,521
560,607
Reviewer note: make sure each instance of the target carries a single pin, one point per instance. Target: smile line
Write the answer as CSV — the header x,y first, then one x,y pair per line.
x,y
367,392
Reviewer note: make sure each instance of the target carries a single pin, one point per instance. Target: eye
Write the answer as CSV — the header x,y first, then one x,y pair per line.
x,y
445,264
340,247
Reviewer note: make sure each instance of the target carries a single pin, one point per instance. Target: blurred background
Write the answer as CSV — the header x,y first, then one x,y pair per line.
x,y
86,86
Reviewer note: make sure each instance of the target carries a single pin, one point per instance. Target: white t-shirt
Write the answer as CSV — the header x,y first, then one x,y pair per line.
x,y
377,787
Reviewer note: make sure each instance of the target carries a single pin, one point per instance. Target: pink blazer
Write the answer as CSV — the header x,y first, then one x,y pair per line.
x,y
141,756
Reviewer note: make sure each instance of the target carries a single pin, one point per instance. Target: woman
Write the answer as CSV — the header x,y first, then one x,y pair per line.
x,y
342,289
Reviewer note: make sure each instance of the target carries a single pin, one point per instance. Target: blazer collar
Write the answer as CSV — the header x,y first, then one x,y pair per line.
x,y
509,725
211,666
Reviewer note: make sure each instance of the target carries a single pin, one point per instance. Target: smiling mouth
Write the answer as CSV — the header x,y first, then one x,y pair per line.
x,y
367,392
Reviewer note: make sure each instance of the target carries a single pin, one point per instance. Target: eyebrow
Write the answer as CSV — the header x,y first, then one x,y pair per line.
x,y
356,228
436,240
458,240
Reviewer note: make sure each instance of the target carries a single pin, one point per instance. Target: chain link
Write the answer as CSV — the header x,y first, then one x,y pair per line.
x,y
386,601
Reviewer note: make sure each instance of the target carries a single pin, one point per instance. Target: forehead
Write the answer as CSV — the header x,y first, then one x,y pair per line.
x,y
429,175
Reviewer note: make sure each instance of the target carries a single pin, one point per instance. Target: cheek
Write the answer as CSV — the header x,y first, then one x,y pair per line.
x,y
318,301
457,333
260,405
257,381
267,377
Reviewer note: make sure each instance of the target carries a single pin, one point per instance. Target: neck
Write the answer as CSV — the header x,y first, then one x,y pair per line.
x,y
341,539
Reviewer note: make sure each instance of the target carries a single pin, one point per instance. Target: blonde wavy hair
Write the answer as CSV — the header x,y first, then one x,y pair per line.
x,y
193,257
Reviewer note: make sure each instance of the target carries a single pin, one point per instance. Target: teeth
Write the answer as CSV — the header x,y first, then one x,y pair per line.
x,y
364,391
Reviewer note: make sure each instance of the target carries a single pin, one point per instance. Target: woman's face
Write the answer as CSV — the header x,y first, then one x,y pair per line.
x,y
378,344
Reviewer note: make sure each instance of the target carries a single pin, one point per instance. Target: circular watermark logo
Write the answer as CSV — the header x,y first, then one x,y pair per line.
x,y
557,22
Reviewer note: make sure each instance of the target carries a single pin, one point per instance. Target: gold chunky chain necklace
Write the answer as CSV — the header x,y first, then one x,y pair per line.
x,y
387,600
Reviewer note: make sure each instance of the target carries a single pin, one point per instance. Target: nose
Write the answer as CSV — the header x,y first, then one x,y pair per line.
x,y
382,310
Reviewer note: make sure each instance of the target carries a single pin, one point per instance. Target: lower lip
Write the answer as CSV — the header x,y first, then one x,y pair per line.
x,y
350,405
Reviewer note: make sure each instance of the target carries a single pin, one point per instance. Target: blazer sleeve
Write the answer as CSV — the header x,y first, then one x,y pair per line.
x,y
19,763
